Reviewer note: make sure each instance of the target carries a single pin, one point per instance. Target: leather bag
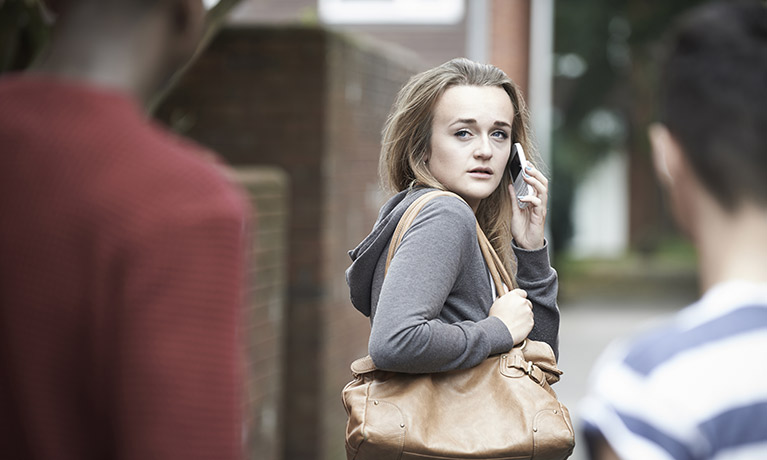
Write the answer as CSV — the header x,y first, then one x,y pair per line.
x,y
503,408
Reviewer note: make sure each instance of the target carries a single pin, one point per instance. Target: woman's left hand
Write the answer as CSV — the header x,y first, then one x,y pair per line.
x,y
527,225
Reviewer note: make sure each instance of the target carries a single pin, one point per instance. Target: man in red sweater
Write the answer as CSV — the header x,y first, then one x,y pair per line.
x,y
122,252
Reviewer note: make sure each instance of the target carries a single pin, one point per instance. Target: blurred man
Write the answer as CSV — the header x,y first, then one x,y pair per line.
x,y
697,387
121,252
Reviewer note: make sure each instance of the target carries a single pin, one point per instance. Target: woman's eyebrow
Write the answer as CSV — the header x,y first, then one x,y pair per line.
x,y
464,121
472,121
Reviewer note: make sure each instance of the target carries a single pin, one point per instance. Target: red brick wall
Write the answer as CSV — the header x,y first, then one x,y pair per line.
x,y
312,103
434,43
361,86
510,39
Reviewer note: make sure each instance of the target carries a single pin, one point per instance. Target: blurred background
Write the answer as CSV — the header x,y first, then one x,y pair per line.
x,y
294,94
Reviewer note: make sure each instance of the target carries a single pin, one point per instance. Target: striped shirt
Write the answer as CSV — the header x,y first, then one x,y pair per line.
x,y
695,388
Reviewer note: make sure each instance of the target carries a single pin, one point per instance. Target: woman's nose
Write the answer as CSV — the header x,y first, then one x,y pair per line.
x,y
483,150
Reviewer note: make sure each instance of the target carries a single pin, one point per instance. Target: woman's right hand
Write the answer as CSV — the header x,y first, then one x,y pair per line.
x,y
516,312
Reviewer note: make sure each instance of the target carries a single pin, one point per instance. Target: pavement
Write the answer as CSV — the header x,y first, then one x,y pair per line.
x,y
587,326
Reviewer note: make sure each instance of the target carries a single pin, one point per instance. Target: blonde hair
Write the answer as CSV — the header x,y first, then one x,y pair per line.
x,y
407,140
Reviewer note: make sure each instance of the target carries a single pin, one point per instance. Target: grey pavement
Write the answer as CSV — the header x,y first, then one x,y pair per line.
x,y
586,328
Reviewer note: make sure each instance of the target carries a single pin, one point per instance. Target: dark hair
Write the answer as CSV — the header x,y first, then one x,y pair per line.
x,y
713,96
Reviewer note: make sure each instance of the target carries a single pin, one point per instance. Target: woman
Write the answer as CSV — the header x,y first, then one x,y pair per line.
x,y
452,128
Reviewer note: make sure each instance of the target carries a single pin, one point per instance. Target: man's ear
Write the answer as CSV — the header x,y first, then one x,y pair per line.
x,y
667,154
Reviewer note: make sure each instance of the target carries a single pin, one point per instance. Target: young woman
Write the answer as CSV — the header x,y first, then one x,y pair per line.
x,y
452,128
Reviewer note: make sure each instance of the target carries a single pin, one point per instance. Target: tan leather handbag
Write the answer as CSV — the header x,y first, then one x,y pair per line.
x,y
503,408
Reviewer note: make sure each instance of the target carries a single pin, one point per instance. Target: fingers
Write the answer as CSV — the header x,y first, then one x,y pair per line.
x,y
532,172
533,200
520,292
528,199
538,181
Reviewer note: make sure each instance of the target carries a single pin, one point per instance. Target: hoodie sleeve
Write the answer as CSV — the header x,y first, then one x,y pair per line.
x,y
406,335
536,276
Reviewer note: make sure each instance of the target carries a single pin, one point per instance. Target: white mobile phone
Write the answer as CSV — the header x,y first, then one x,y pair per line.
x,y
517,163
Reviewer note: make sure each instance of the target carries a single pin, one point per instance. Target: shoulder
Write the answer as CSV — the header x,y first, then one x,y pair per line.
x,y
161,180
197,170
449,211
727,317
103,171
639,391
694,331
444,218
444,227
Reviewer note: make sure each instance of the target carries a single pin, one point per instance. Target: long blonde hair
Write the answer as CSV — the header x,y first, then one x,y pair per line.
x,y
407,140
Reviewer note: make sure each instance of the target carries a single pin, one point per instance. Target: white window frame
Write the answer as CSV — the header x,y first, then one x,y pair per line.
x,y
391,11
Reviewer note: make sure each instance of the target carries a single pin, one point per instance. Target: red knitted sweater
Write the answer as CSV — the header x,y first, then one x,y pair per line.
x,y
122,261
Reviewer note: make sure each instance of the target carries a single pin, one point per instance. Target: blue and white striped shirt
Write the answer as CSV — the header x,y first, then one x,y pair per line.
x,y
693,389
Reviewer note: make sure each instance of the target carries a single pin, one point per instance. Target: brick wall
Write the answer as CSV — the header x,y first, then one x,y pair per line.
x,y
510,39
363,81
311,103
434,43
264,325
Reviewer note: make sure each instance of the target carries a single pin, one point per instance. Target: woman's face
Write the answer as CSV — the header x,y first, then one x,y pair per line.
x,y
471,140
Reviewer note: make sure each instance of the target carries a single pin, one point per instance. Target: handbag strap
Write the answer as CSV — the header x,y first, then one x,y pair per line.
x,y
501,278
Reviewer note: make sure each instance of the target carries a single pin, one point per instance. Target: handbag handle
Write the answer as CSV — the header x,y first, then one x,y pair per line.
x,y
498,272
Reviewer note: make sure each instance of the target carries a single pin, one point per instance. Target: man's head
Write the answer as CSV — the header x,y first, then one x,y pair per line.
x,y
141,42
713,114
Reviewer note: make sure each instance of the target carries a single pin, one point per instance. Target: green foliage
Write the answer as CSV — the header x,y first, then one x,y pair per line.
x,y
609,105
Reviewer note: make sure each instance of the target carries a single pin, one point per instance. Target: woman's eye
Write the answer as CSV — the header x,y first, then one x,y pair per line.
x,y
500,135
462,134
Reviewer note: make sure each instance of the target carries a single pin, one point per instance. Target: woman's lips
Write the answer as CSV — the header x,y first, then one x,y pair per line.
x,y
481,173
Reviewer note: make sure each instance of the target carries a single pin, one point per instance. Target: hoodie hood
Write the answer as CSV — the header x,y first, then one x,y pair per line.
x,y
365,257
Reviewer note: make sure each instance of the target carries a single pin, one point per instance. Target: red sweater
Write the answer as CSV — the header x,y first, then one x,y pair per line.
x,y
122,261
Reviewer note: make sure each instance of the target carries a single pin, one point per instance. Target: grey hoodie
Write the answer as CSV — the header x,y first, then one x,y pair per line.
x,y
430,313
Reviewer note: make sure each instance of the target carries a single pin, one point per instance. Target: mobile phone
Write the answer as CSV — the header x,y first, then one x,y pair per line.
x,y
517,163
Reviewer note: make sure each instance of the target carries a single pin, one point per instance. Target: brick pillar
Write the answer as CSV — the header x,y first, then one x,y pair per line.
x,y
510,39
264,318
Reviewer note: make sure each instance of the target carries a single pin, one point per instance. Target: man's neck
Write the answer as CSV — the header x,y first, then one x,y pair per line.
x,y
732,246
115,57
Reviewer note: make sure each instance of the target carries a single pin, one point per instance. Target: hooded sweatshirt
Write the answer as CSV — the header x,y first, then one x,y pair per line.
x,y
430,312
